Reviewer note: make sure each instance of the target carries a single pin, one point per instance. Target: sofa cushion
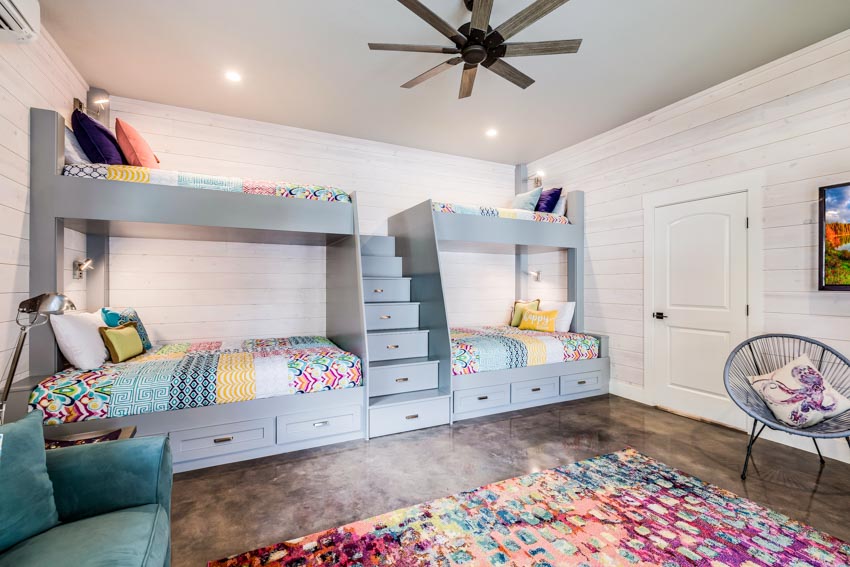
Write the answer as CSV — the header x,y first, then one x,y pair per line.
x,y
131,537
26,492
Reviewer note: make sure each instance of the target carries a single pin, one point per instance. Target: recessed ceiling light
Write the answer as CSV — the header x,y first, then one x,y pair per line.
x,y
233,76
491,133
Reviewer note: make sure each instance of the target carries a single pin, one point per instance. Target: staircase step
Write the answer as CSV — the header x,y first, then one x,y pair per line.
x,y
381,266
377,245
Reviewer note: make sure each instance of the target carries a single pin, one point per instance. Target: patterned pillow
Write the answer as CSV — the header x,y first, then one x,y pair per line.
x,y
519,309
798,395
538,321
114,318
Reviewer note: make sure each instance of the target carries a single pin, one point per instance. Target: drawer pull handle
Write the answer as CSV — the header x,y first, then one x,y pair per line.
x,y
321,423
581,382
413,416
223,440
400,380
535,389
482,398
386,317
379,290
392,347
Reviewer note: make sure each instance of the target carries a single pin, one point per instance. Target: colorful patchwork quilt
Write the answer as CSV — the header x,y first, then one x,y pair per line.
x,y
483,211
189,375
213,182
482,349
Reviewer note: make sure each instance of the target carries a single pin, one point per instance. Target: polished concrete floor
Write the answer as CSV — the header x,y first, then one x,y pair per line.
x,y
226,510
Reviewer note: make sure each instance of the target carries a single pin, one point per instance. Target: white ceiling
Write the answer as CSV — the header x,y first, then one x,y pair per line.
x,y
305,63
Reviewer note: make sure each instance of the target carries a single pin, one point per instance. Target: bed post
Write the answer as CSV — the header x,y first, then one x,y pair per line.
x,y
521,251
47,233
575,260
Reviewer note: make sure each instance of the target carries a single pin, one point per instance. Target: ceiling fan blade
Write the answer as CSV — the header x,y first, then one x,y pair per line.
x,y
413,48
522,49
467,80
434,21
509,72
433,71
481,10
522,20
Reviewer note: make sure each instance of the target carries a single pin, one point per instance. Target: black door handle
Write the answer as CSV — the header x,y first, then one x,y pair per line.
x,y
659,315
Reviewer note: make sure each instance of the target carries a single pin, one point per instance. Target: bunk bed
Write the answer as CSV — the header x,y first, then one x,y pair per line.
x,y
488,370
256,397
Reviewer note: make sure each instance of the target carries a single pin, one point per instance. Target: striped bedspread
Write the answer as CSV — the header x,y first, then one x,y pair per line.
x,y
483,211
213,182
189,375
482,349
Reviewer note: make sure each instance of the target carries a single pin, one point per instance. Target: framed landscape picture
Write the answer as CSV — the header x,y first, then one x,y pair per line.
x,y
834,258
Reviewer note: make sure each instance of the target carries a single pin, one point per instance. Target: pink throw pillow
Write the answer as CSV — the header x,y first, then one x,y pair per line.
x,y
136,150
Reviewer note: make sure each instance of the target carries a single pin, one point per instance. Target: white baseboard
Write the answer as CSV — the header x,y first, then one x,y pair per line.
x,y
634,392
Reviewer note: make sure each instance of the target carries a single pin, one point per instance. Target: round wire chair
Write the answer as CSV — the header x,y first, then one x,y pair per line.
x,y
766,353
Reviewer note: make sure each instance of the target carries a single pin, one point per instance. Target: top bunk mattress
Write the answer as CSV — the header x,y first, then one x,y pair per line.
x,y
484,349
485,211
135,174
188,375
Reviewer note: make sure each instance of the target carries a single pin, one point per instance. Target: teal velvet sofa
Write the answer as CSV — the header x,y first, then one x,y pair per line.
x,y
114,505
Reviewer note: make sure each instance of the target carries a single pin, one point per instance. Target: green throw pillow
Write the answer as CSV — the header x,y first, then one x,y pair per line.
x,y
520,308
27,507
122,342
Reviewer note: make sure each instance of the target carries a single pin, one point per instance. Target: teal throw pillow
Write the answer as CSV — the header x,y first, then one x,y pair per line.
x,y
528,200
114,318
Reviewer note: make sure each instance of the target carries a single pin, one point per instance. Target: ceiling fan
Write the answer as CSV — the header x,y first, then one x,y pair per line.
x,y
476,43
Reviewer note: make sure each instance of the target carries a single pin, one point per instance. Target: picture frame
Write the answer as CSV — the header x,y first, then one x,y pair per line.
x,y
834,237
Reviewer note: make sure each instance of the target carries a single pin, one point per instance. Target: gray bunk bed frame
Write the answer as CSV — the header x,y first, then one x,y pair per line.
x,y
219,434
422,235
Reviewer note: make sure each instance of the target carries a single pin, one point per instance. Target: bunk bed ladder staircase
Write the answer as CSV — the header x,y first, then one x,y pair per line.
x,y
403,384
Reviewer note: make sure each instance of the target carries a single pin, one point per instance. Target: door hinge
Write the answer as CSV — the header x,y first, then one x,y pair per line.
x,y
748,310
748,222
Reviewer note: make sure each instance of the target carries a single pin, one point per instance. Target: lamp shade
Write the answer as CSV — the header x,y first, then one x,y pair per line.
x,y
46,304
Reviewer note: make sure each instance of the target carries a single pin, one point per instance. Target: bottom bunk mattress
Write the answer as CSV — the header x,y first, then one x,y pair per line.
x,y
189,375
483,349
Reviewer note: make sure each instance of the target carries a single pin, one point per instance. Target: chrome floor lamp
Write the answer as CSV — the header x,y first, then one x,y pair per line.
x,y
32,312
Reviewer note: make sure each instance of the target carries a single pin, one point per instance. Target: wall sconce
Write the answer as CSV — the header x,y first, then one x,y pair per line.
x,y
80,267
537,179
537,275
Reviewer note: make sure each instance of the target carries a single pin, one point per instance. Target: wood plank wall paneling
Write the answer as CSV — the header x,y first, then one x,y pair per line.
x,y
194,290
790,119
36,74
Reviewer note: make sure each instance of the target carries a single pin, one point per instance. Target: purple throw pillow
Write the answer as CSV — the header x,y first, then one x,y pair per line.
x,y
96,140
548,200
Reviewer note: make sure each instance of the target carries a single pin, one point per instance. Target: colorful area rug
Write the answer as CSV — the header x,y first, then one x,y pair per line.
x,y
618,509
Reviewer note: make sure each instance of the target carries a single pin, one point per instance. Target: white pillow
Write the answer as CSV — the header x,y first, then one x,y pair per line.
x,y
73,151
798,395
565,315
79,339
561,206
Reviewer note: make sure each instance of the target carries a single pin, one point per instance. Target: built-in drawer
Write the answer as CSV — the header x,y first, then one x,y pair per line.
x,y
189,444
476,399
393,345
578,383
407,417
386,289
400,378
392,316
381,266
530,390
295,427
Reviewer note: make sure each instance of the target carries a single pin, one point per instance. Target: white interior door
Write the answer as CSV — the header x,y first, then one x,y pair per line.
x,y
700,303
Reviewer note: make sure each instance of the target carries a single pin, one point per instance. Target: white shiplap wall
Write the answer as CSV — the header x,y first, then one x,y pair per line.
x,y
188,290
31,75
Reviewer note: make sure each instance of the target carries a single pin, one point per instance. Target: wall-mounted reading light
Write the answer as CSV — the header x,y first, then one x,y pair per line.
x,y
537,275
537,179
97,105
82,266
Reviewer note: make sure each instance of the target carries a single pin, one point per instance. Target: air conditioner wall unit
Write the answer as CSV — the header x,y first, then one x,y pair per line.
x,y
20,20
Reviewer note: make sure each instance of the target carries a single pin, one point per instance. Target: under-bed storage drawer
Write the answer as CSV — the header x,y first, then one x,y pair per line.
x,y
400,378
386,289
189,444
393,345
476,399
382,316
295,427
530,390
578,383
407,417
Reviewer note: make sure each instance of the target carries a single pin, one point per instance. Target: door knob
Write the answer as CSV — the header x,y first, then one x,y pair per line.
x,y
659,315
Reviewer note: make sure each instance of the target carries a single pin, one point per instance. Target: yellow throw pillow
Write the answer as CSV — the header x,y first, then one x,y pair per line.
x,y
123,341
519,309
538,321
